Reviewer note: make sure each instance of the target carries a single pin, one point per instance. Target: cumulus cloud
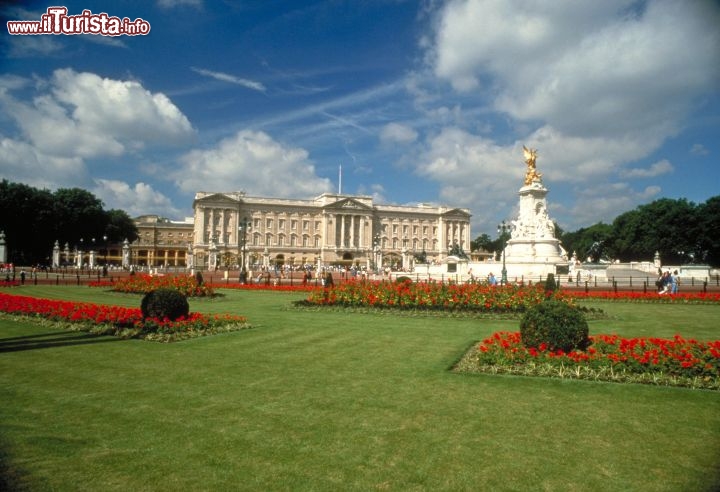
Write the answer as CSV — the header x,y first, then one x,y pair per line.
x,y
595,86
138,199
583,67
252,162
74,122
397,133
83,115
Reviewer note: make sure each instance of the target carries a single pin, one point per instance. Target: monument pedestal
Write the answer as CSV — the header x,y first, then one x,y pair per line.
x,y
533,249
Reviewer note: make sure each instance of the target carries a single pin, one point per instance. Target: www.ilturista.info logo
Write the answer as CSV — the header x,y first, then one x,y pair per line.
x,y
56,21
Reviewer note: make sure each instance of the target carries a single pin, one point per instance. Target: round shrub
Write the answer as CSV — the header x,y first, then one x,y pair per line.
x,y
557,324
403,280
164,303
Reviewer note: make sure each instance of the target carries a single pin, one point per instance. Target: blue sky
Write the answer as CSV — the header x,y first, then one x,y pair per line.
x,y
417,101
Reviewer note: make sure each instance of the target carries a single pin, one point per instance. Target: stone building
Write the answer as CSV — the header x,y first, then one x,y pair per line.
x,y
161,242
232,229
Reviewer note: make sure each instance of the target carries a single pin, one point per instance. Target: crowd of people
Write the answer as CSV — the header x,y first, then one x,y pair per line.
x,y
668,283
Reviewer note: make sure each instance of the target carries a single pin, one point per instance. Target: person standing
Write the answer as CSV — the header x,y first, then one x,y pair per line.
x,y
492,281
674,282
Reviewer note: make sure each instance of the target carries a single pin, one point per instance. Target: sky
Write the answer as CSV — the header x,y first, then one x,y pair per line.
x,y
414,101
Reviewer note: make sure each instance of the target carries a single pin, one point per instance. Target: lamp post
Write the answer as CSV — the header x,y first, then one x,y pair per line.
x,y
242,239
503,229
376,252
79,250
105,264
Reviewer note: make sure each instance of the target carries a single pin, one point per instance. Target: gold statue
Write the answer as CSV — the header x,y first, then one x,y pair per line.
x,y
531,174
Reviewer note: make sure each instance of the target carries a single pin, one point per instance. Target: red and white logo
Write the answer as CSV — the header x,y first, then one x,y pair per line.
x,y
57,21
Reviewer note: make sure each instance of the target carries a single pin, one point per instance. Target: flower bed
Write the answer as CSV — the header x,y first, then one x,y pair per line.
x,y
142,284
479,298
119,321
431,296
297,287
651,297
669,362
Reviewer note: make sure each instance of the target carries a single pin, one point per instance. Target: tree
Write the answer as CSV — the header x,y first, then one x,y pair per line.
x,y
79,215
483,242
120,227
591,242
26,215
707,238
666,225
34,219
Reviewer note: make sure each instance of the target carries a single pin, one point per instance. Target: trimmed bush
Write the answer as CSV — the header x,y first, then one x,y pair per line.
x,y
403,279
164,303
555,324
550,284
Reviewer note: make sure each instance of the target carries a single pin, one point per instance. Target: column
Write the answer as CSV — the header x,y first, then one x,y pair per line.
x,y
342,230
361,242
352,231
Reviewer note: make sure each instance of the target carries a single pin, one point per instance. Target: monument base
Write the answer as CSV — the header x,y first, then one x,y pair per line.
x,y
529,251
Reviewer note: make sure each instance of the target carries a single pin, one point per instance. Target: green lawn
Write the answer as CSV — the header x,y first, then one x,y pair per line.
x,y
312,400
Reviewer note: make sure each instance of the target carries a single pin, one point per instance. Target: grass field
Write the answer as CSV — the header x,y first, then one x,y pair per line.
x,y
310,400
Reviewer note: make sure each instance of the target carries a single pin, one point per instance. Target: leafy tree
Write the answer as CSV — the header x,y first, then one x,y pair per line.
x,y
666,225
590,242
79,215
707,238
484,242
26,213
120,227
34,219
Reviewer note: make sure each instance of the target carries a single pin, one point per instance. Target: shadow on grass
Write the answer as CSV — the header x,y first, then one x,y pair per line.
x,y
52,340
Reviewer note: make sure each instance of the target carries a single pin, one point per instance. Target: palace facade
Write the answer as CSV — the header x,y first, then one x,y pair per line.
x,y
232,229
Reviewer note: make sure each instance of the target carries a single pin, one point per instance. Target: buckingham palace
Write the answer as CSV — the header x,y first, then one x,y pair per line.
x,y
232,229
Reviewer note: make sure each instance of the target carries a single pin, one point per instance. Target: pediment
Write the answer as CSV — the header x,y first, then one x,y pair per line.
x,y
347,204
457,213
217,199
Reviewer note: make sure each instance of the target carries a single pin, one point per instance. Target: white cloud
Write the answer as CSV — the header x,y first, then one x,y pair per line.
x,y
140,199
397,133
32,46
124,109
656,169
607,201
22,162
595,86
699,149
583,67
84,115
252,162
224,77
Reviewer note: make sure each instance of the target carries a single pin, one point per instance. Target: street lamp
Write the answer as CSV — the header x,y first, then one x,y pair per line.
x,y
105,267
242,240
376,252
503,229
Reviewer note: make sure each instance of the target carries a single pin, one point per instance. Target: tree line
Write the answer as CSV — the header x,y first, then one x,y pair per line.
x,y
33,219
681,231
